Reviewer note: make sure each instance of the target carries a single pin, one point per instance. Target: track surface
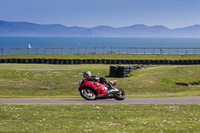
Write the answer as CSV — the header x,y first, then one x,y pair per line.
x,y
173,100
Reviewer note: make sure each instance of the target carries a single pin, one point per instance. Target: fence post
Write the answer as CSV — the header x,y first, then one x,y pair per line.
x,y
144,50
11,51
194,51
28,50
153,50
62,50
169,51
2,51
45,50
177,50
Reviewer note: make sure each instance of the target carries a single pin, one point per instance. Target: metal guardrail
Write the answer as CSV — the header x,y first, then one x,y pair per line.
x,y
94,50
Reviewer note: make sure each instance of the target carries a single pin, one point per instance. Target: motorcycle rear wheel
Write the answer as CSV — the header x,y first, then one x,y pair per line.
x,y
88,94
119,95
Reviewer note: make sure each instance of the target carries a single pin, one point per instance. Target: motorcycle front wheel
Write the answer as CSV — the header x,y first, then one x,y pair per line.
x,y
120,95
88,94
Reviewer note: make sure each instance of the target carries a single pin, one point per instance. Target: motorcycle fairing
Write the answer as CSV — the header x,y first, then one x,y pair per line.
x,y
113,82
94,85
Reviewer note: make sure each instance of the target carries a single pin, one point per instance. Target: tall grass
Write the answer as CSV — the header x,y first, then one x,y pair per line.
x,y
31,80
54,118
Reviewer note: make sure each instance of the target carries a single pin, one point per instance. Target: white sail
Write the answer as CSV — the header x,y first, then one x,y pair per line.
x,y
29,45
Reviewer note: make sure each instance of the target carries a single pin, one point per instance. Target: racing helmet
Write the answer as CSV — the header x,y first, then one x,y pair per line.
x,y
86,74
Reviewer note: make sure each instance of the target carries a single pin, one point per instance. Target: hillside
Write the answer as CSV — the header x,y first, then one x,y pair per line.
x,y
139,30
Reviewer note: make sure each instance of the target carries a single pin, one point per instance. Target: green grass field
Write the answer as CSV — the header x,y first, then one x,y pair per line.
x,y
54,118
105,56
60,81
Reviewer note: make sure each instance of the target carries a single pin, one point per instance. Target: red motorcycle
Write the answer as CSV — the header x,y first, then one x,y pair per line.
x,y
93,90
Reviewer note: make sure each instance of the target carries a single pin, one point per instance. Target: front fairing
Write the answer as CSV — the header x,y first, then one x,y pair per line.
x,y
113,82
99,88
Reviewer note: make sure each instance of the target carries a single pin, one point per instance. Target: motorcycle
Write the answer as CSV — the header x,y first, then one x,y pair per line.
x,y
93,90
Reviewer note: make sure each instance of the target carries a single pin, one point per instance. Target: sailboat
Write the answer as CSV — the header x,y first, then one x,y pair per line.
x,y
29,45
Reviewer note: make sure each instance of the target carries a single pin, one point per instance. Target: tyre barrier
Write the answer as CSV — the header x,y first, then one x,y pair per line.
x,y
187,84
102,61
122,71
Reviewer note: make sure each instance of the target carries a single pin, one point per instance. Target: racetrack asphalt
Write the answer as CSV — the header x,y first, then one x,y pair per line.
x,y
171,100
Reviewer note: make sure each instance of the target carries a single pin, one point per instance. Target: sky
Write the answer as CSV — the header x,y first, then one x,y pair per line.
x,y
91,13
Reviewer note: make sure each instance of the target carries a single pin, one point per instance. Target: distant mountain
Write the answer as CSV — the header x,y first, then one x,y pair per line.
x,y
139,30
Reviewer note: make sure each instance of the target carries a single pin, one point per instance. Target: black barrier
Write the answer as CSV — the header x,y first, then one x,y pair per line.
x,y
9,60
24,60
118,61
30,61
3,60
89,61
101,61
79,61
113,61
60,61
50,61
55,61
19,60
65,61
132,62
14,60
34,60
40,61
186,62
142,62
94,61
84,61
108,61
191,62
176,62
75,61
46,61
113,71
195,62
122,71
70,61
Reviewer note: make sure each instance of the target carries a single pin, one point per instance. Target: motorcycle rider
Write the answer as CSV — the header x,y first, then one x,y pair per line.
x,y
88,75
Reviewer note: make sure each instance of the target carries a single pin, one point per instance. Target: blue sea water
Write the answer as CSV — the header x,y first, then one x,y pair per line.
x,y
74,42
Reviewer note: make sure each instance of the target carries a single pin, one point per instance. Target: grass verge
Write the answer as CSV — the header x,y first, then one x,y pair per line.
x,y
60,81
106,56
173,118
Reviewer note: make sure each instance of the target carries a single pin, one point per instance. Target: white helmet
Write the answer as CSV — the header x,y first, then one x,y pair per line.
x,y
86,74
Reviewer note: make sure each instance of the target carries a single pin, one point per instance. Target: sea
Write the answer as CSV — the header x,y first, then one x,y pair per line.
x,y
71,44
